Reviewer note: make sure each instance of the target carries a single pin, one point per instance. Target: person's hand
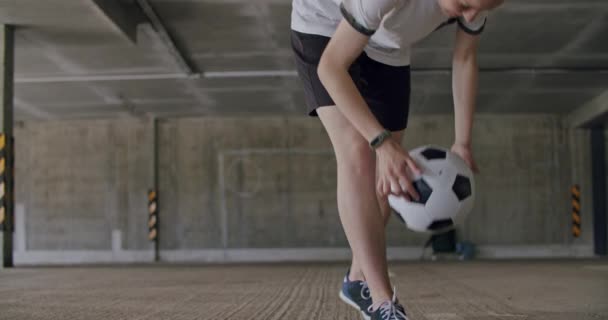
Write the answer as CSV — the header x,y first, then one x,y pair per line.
x,y
464,151
395,170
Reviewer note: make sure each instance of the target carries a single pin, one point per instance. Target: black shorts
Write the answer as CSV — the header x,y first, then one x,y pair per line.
x,y
386,89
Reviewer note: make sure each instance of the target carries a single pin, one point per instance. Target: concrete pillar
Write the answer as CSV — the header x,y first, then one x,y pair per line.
x,y
598,169
7,47
590,114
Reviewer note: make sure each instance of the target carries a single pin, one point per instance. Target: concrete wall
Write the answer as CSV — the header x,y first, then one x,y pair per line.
x,y
78,181
269,182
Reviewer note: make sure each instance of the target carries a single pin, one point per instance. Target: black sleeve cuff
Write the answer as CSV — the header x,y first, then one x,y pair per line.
x,y
353,22
445,23
470,31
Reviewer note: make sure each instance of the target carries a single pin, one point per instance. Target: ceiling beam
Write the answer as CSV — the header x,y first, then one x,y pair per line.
x,y
163,35
591,113
122,16
31,109
286,73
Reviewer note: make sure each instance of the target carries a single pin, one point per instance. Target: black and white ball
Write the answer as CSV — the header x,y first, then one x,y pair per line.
x,y
446,188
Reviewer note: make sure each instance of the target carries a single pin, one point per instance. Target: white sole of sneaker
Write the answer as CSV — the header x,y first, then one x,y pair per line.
x,y
352,304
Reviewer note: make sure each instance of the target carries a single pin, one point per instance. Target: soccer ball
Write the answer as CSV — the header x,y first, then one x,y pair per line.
x,y
446,188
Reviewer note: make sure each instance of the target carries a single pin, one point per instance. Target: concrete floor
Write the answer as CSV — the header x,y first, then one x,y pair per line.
x,y
572,290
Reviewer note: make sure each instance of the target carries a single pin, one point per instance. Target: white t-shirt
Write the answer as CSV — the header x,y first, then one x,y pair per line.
x,y
394,25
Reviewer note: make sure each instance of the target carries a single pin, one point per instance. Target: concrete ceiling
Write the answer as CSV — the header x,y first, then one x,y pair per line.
x,y
538,56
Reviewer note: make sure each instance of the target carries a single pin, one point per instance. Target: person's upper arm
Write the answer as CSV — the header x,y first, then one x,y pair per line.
x,y
365,16
361,19
344,47
467,36
474,27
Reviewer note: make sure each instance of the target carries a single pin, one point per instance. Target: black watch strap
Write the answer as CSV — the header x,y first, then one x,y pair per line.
x,y
379,139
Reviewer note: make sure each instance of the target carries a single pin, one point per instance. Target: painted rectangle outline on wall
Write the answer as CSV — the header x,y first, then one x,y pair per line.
x,y
247,151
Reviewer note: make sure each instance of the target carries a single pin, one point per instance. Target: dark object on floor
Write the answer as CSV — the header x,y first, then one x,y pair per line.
x,y
444,242
466,250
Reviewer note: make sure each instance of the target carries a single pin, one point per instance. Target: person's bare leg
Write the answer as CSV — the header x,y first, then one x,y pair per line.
x,y
357,202
355,269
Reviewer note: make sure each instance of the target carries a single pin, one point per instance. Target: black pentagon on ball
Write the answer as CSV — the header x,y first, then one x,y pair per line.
x,y
462,187
423,189
441,224
433,153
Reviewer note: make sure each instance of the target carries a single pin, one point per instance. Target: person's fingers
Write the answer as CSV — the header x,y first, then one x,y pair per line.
x,y
475,167
471,163
395,188
384,188
412,191
413,166
379,184
387,188
403,183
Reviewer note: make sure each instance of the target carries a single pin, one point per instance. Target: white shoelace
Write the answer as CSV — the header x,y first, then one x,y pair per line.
x,y
388,310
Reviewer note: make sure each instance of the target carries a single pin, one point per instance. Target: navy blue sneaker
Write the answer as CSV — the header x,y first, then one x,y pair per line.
x,y
388,310
357,295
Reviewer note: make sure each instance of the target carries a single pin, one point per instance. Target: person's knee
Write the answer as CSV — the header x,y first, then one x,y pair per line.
x,y
357,158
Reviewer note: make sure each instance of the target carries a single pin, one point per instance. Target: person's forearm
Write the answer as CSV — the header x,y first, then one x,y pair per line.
x,y
464,88
348,99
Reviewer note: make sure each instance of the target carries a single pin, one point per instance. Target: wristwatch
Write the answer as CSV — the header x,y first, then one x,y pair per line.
x,y
379,139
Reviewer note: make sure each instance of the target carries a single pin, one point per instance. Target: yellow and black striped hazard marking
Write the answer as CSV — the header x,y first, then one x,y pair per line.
x,y
152,215
2,181
576,210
